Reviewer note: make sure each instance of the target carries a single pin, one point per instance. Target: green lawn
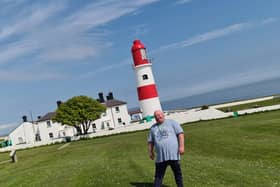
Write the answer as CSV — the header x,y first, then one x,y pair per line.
x,y
274,101
243,151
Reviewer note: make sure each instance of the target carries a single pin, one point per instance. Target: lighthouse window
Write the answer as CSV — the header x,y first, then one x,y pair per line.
x,y
145,77
143,54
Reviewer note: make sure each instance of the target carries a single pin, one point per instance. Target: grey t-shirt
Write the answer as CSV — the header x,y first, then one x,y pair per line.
x,y
164,138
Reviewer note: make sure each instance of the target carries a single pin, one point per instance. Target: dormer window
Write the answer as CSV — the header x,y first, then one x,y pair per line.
x,y
49,124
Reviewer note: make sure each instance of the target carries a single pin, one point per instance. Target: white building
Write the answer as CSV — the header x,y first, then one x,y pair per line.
x,y
45,131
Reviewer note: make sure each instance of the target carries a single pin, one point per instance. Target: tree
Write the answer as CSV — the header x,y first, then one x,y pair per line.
x,y
79,111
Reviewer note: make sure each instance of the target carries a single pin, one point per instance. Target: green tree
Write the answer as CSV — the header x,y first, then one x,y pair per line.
x,y
79,111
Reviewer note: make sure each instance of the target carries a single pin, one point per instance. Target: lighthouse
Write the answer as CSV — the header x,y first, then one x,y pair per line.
x,y
146,87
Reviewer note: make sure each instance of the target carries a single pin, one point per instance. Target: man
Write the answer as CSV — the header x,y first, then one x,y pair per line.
x,y
167,137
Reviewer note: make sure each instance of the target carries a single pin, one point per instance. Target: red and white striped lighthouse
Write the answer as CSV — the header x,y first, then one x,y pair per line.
x,y
146,87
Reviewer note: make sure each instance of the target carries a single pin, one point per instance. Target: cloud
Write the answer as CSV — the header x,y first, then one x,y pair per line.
x,y
211,35
6,128
183,2
30,19
269,20
19,75
74,37
141,30
50,32
240,78
215,34
125,62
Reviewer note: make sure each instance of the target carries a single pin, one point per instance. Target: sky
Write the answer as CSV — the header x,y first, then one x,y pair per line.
x,y
53,50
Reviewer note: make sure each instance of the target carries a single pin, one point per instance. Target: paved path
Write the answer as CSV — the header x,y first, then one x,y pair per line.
x,y
63,146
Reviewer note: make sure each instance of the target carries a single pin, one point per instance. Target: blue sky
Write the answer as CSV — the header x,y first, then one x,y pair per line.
x,y
52,50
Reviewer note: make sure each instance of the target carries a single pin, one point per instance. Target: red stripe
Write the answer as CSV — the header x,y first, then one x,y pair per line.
x,y
147,92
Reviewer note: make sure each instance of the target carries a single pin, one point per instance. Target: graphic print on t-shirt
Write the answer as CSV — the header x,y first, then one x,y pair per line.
x,y
161,133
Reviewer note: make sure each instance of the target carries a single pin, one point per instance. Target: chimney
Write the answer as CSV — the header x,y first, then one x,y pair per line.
x,y
24,118
101,98
111,95
58,103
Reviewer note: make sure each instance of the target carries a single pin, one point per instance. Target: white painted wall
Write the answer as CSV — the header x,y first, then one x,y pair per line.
x,y
23,134
26,132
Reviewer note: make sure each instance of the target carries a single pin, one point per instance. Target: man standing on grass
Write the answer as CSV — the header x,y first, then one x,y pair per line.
x,y
167,137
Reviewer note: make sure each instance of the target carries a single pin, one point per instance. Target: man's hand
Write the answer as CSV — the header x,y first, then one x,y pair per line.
x,y
151,150
181,150
181,143
151,155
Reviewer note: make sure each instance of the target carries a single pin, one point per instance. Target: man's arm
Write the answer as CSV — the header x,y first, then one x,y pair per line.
x,y
151,150
181,143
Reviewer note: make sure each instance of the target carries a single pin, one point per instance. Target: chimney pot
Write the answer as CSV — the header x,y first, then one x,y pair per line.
x,y
101,97
58,103
24,118
111,95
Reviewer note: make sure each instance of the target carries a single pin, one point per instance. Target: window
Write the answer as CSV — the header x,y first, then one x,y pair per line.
x,y
119,120
145,77
37,137
117,109
51,135
94,126
102,126
143,54
20,140
49,124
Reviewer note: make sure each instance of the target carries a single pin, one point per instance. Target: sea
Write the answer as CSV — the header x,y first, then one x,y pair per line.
x,y
243,92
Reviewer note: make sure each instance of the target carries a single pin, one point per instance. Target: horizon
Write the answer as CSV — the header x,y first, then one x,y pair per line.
x,y
54,50
214,101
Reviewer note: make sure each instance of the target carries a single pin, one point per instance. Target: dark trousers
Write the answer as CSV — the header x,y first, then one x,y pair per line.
x,y
161,168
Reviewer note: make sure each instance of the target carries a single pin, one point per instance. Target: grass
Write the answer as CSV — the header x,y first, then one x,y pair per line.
x,y
274,101
243,151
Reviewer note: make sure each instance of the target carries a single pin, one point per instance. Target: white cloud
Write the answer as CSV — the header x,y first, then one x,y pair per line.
x,y
6,128
39,31
125,62
269,20
141,30
232,80
72,37
19,75
211,35
217,33
183,2
30,20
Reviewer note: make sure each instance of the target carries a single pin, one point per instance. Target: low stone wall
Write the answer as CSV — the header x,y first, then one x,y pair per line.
x,y
242,102
261,109
35,144
182,116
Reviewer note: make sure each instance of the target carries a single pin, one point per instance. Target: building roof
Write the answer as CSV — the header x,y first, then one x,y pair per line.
x,y
108,103
46,117
134,111
114,102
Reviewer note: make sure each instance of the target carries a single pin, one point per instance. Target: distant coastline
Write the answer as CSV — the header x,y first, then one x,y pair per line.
x,y
243,92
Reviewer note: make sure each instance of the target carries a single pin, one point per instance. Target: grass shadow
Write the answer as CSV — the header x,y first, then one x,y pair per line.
x,y
144,184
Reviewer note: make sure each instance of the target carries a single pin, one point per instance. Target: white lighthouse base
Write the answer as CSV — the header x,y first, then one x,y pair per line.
x,y
149,106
